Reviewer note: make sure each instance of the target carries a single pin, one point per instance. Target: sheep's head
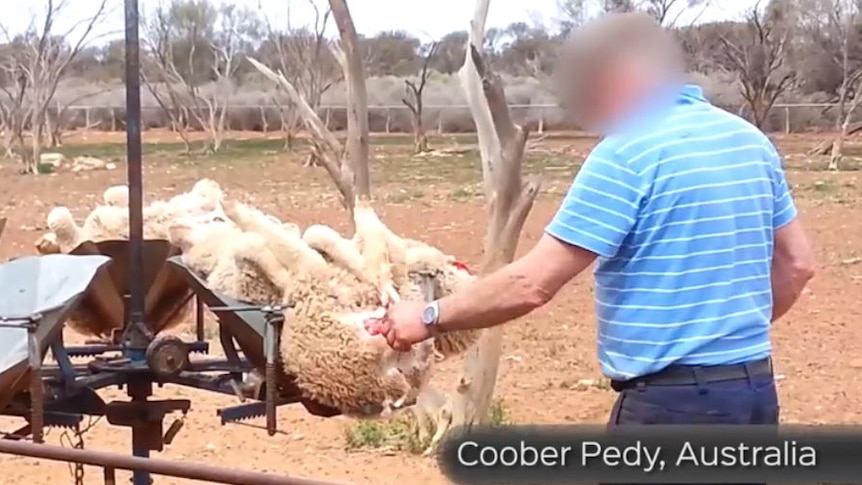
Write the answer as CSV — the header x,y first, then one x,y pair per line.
x,y
292,228
209,192
62,223
117,196
207,187
47,244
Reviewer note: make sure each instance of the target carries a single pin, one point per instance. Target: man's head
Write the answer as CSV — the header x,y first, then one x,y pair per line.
x,y
608,66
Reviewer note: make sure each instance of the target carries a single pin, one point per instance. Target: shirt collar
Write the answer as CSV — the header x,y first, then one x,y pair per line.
x,y
658,104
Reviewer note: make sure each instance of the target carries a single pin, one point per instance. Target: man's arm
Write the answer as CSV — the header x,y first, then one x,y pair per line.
x,y
792,259
515,289
792,267
594,218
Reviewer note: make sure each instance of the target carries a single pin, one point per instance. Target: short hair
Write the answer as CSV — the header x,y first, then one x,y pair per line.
x,y
596,45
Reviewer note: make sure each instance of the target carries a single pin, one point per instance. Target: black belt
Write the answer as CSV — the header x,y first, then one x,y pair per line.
x,y
686,375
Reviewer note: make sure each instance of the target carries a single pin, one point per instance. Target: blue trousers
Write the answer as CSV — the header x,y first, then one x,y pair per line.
x,y
752,400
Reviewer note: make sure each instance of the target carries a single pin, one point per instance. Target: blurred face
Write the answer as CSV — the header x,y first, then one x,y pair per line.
x,y
610,92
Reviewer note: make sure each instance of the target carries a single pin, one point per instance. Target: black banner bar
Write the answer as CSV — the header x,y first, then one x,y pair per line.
x,y
527,455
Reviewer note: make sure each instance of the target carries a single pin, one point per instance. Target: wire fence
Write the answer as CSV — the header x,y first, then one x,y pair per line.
x,y
786,118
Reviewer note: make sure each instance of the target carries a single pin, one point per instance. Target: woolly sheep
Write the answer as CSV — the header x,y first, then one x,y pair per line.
x,y
67,234
116,196
417,258
111,222
327,347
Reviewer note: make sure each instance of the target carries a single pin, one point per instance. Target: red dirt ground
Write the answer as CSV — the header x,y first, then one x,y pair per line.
x,y
818,346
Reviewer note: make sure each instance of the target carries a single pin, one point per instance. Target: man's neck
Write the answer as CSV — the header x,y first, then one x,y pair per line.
x,y
649,101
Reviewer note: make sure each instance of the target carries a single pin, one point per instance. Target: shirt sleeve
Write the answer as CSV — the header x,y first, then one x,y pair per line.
x,y
783,208
601,206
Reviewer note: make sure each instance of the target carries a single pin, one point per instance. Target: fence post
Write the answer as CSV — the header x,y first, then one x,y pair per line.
x,y
541,120
787,120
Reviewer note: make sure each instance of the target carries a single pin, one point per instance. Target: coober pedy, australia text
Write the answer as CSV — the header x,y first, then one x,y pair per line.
x,y
785,454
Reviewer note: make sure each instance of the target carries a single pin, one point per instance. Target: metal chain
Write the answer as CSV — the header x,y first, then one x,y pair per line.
x,y
76,441
79,444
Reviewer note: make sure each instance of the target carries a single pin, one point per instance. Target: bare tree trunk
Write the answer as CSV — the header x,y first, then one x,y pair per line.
x,y
837,152
509,199
357,96
420,136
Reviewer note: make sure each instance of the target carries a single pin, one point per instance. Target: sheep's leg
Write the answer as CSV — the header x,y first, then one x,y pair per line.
x,y
372,236
261,256
389,294
396,385
428,400
444,419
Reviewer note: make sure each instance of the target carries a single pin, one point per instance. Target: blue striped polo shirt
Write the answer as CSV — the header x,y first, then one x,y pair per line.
x,y
680,204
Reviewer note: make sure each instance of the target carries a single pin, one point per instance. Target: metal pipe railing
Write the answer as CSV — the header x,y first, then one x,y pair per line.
x,y
110,461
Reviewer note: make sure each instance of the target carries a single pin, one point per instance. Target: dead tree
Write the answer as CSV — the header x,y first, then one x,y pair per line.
x,y
509,199
304,56
39,63
841,24
668,12
347,165
757,53
57,122
16,112
179,87
164,81
413,91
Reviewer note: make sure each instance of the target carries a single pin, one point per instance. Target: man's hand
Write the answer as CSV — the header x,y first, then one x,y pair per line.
x,y
402,325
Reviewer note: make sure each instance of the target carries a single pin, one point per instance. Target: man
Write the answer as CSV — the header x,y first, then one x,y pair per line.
x,y
687,210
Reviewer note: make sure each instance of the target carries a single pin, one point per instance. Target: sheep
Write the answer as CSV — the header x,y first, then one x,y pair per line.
x,y
416,259
292,228
202,245
116,196
110,221
107,223
67,235
336,361
206,196
338,250
47,244
238,273
332,286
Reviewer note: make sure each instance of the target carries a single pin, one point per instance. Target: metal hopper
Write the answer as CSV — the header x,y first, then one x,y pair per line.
x,y
104,308
37,293
247,325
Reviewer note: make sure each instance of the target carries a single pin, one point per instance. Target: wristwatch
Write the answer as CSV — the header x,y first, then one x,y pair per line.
x,y
431,315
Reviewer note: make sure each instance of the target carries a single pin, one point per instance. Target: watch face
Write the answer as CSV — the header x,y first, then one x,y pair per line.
x,y
429,315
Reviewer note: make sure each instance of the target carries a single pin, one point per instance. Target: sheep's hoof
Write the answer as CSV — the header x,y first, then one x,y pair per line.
x,y
404,402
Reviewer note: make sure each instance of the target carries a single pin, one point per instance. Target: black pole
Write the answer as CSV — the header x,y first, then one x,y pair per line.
x,y
135,178
134,334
